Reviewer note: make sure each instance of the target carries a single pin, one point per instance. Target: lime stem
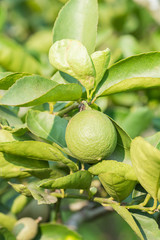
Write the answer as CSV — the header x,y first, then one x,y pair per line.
x,y
66,110
146,200
108,201
88,95
67,195
150,210
51,107
93,100
105,200
39,219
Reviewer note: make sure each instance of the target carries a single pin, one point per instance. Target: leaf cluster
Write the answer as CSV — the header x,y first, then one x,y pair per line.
x,y
33,152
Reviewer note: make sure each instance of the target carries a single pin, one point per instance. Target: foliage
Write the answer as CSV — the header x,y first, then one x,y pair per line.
x,y
44,84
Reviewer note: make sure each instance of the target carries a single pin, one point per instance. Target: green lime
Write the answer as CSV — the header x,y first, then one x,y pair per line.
x,y
25,229
91,136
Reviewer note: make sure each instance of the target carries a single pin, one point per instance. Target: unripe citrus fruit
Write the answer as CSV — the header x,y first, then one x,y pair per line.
x,y
25,229
91,136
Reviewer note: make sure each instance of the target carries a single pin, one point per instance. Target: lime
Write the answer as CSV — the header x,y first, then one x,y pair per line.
x,y
91,136
25,229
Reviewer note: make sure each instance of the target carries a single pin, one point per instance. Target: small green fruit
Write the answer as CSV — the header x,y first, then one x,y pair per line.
x,y
25,229
91,136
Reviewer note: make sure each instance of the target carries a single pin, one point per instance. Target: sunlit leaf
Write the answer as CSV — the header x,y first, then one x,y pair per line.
x,y
40,195
56,232
146,162
71,57
36,150
127,216
35,90
7,79
147,225
122,150
78,20
77,180
47,126
11,165
101,61
118,178
137,72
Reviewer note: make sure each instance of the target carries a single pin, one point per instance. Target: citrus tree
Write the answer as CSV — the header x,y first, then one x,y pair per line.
x,y
66,143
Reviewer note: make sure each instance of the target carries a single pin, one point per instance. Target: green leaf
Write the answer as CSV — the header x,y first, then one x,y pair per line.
x,y
122,150
32,190
7,221
4,74
21,188
39,173
7,79
77,180
19,130
101,61
6,136
11,165
127,216
133,73
148,226
10,116
154,139
146,162
35,90
107,166
58,78
6,234
9,136
118,178
40,195
47,126
158,146
38,151
78,20
57,232
71,57
55,171
14,58
9,169
134,123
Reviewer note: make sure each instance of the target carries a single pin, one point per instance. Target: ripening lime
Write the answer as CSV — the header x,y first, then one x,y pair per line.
x,y
91,136
25,229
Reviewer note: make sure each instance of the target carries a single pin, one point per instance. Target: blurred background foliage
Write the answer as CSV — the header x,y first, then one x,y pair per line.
x,y
127,27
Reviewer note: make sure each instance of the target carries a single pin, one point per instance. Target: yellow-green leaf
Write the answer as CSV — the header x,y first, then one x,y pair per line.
x,y
146,162
71,57
100,60
77,180
118,178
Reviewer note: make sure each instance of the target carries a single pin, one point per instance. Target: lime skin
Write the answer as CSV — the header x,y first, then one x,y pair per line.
x,y
25,229
91,136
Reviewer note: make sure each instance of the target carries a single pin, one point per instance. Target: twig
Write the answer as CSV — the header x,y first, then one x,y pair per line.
x,y
67,109
67,195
